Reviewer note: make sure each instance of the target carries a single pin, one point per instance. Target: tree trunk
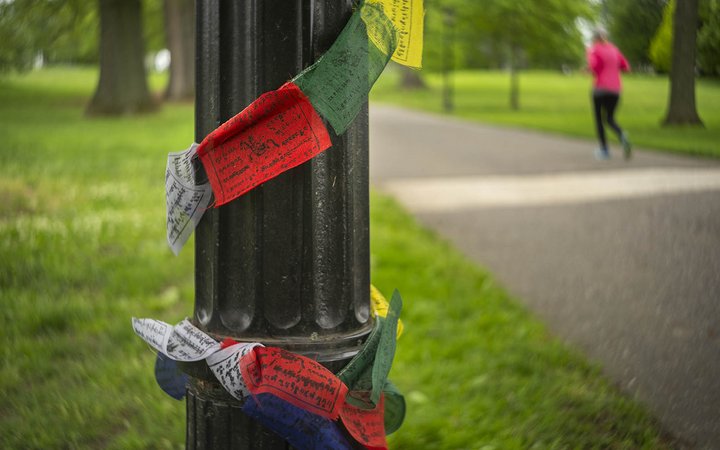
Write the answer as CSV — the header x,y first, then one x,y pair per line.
x,y
180,39
122,88
682,109
514,78
411,79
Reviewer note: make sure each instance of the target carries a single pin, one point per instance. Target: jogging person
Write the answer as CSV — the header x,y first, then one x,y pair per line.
x,y
606,62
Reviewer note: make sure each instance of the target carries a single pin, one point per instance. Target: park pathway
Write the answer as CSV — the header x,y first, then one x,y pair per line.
x,y
622,260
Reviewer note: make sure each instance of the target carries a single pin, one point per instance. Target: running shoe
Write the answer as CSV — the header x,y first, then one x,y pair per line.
x,y
602,154
627,146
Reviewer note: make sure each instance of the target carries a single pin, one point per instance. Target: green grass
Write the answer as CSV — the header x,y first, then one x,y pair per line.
x,y
550,101
82,249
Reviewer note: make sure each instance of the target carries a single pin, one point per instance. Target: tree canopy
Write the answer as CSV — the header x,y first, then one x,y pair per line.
x,y
632,25
60,31
546,31
63,32
709,38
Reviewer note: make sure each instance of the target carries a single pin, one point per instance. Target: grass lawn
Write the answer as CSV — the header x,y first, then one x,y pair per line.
x,y
550,101
82,249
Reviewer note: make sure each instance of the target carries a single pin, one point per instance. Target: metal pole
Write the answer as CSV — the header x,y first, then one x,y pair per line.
x,y
288,263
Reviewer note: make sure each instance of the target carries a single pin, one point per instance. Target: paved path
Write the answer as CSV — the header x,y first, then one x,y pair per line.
x,y
620,259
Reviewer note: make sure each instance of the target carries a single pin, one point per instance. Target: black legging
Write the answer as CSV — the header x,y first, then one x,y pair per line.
x,y
607,101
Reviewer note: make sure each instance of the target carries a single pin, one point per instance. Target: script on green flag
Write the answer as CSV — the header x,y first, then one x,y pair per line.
x,y
339,82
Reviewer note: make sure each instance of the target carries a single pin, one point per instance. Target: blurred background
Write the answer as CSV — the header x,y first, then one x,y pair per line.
x,y
543,349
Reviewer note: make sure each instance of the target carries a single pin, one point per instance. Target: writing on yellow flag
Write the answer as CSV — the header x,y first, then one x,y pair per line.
x,y
407,17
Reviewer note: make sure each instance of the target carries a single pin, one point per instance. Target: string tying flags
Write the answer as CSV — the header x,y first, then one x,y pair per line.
x,y
295,396
284,128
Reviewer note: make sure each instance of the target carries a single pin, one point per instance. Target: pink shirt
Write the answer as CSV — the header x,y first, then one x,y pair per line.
x,y
606,62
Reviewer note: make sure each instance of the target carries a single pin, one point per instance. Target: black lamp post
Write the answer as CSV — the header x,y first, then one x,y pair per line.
x,y
288,263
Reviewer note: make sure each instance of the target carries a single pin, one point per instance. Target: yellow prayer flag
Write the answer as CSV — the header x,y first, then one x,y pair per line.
x,y
380,305
407,17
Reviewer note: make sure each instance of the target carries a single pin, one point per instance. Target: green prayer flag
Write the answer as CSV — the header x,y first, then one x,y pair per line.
x,y
369,369
386,348
357,374
338,83
394,408
367,372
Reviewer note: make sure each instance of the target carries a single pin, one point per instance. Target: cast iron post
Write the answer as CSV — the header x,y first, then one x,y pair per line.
x,y
288,263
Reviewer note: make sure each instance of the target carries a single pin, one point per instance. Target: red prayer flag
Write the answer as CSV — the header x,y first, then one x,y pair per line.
x,y
277,132
367,426
294,378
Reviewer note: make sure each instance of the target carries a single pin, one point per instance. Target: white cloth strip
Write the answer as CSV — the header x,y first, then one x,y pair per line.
x,y
225,364
182,342
186,202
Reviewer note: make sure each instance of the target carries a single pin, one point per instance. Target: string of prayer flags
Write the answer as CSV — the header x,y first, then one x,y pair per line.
x,y
301,429
293,395
182,342
407,17
277,132
338,83
282,128
296,379
186,201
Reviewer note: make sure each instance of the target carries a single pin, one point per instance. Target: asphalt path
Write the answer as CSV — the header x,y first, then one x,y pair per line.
x,y
620,259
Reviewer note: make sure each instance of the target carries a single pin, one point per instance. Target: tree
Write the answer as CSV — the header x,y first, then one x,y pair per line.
x,y
682,109
180,38
122,88
709,38
632,25
527,30
411,79
476,46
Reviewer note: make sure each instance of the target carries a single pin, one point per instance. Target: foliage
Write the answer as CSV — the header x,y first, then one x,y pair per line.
x,y
62,31
661,46
153,25
709,38
632,25
561,104
82,249
484,32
